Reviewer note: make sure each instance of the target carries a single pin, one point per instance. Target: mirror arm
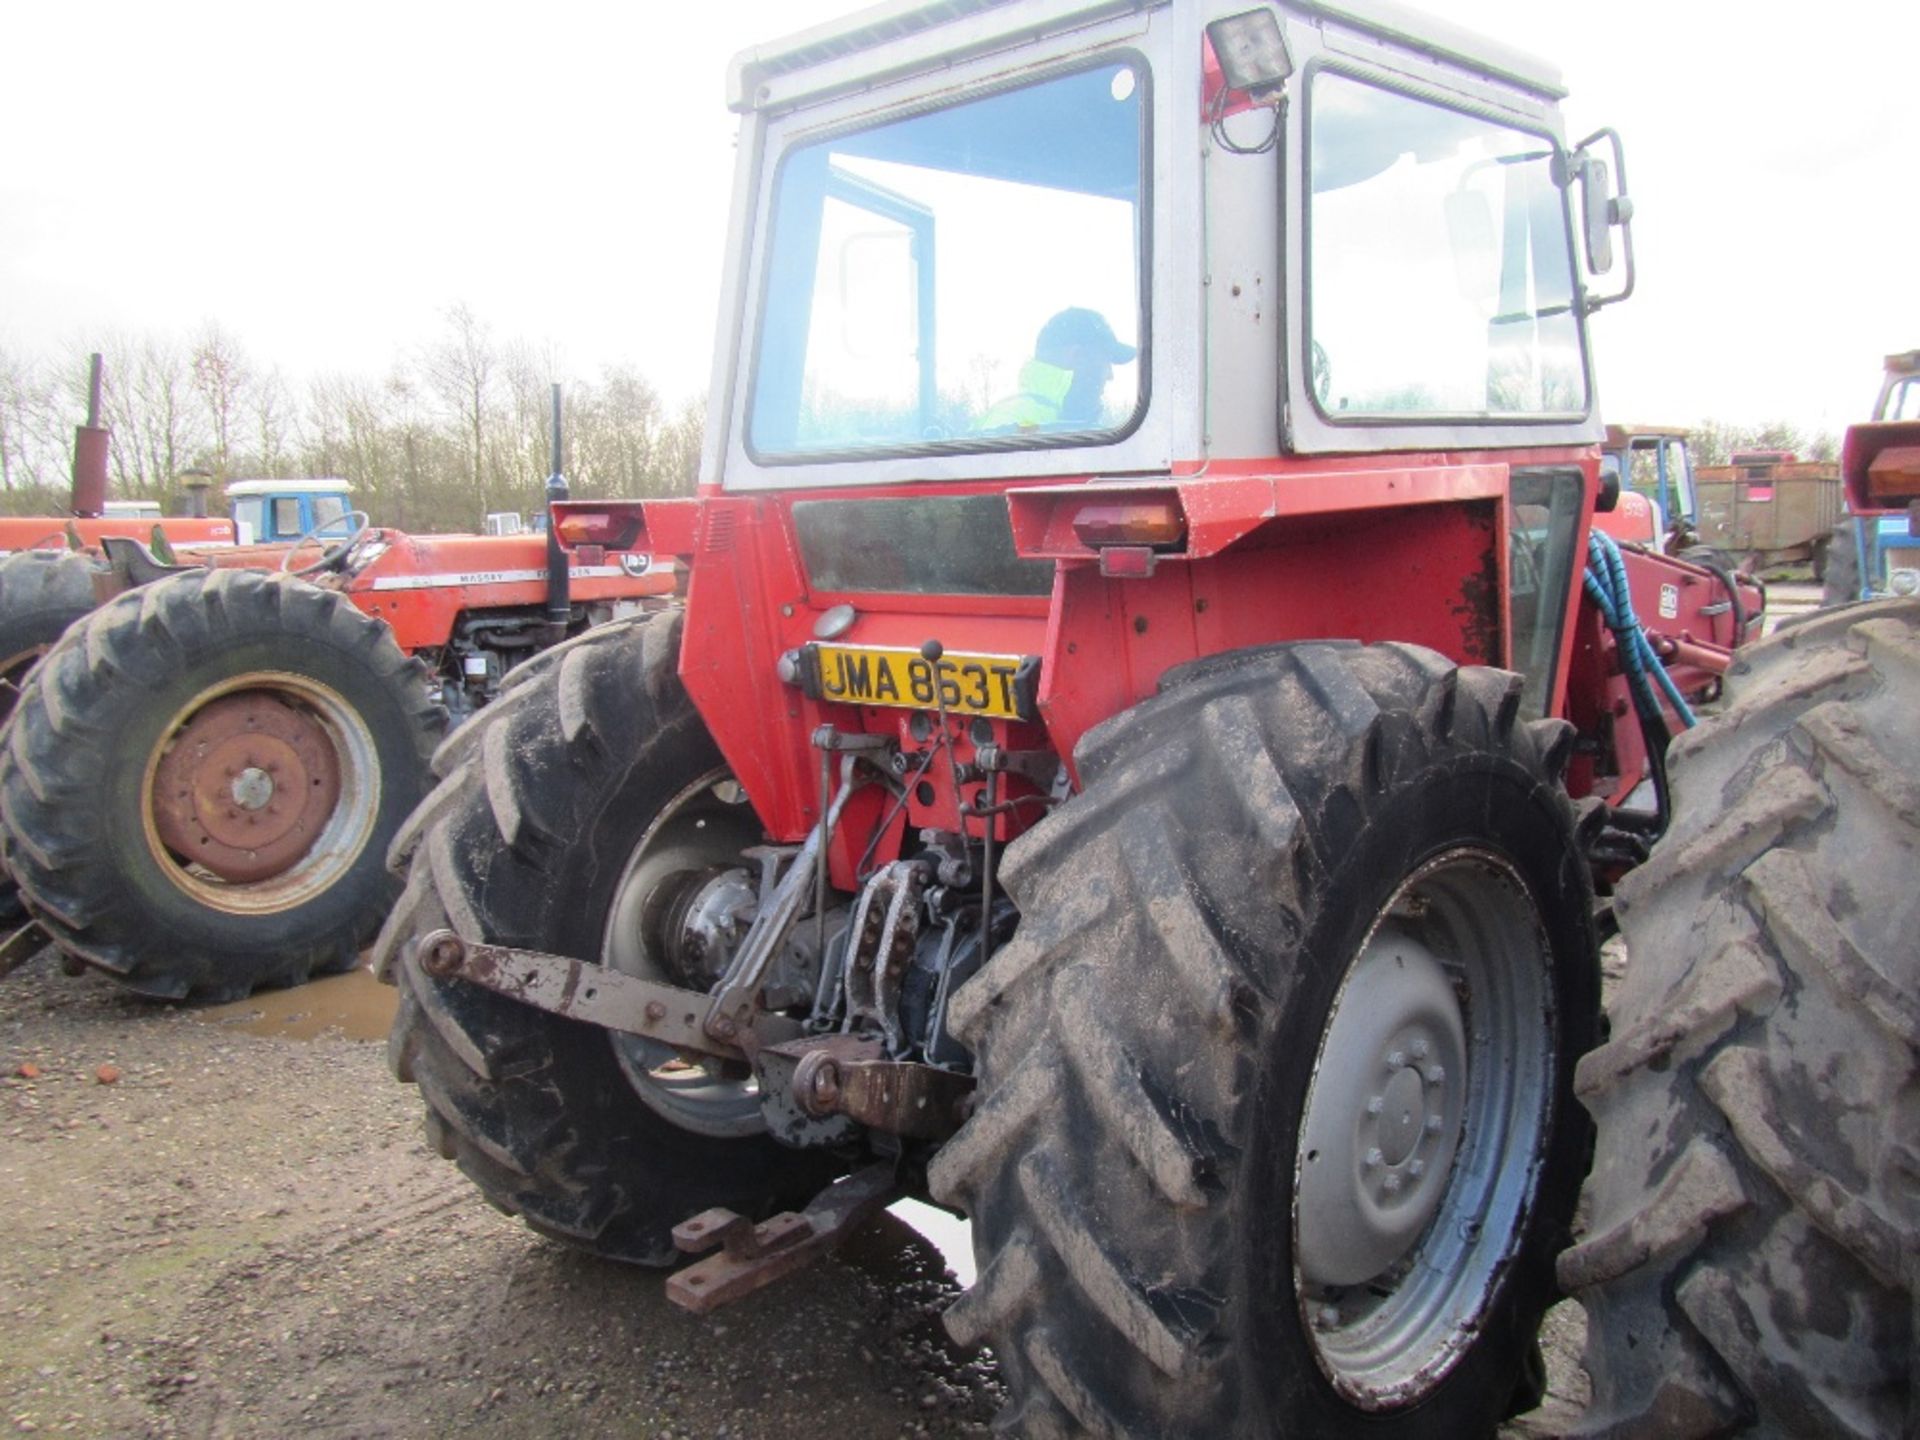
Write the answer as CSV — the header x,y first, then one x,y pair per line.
x,y
1619,212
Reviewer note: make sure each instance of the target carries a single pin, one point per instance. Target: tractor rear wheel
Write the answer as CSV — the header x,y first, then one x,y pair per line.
x,y
201,781
1276,1131
1750,1258
42,592
569,814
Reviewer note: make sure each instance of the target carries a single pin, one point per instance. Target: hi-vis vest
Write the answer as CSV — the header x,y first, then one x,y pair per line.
x,y
1043,390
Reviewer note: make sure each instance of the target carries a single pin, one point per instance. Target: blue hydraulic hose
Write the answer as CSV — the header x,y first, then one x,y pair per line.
x,y
1606,582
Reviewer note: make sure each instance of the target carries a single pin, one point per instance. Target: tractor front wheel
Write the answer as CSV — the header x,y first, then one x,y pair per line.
x,y
201,781
1276,1132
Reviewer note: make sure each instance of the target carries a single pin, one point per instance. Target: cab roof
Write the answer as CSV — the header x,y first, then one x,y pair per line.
x,y
288,487
897,38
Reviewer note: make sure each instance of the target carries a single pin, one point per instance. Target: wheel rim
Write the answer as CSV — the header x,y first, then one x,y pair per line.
x,y
1415,1173
702,829
261,793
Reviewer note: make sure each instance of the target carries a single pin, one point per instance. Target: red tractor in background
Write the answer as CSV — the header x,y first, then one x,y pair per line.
x,y
1148,744
199,781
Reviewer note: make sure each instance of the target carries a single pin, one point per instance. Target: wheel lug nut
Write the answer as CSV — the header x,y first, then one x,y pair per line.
x,y
1325,1318
1419,1048
1376,1105
1416,1168
1436,1074
1392,1185
1396,1059
1374,1159
1433,1124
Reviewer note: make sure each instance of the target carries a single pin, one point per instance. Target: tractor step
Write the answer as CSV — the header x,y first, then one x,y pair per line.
x,y
753,1256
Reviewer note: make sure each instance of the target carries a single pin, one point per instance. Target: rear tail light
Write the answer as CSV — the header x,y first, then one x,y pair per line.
x,y
1129,522
613,526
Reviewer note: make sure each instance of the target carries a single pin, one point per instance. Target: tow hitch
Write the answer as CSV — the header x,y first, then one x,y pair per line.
x,y
815,1089
607,998
754,1256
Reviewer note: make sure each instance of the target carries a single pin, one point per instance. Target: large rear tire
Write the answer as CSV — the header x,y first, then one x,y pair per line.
x,y
42,592
563,810
200,782
1276,1131
1749,1265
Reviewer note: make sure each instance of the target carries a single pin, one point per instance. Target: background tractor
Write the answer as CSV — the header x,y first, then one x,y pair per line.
x,y
1651,462
1875,551
1150,736
199,781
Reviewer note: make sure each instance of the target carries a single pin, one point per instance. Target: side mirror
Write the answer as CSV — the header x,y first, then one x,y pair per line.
x,y
1596,203
1608,500
1603,210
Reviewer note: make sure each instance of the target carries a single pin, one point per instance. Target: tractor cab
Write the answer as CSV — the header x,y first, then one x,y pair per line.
x,y
1652,462
279,512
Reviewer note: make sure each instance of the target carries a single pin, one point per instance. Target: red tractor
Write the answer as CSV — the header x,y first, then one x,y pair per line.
x,y
1149,723
198,782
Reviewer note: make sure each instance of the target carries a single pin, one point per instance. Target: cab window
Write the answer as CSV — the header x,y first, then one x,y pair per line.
x,y
968,277
249,519
1439,263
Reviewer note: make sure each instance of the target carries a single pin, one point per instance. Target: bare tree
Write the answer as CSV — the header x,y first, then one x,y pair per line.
x,y
271,421
460,371
1713,442
220,378
29,450
456,430
158,427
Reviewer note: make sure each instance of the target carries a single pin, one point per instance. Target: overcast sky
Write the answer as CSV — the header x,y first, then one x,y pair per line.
x,y
326,181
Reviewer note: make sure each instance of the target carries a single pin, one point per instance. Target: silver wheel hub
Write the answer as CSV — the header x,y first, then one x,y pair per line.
x,y
1384,1118
1420,1144
252,789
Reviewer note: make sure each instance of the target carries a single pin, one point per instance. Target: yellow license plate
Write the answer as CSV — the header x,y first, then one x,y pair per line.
x,y
992,685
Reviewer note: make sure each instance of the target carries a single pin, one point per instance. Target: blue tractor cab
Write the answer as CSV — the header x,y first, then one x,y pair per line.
x,y
278,512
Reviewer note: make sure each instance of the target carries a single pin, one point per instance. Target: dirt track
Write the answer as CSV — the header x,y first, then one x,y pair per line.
x,y
243,1235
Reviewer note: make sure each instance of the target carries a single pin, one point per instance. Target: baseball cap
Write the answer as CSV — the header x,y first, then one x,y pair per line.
x,y
1080,326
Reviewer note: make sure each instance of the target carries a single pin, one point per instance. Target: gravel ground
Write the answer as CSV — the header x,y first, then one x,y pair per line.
x,y
243,1235
218,1230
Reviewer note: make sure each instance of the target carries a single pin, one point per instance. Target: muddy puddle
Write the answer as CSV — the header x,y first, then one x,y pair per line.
x,y
354,1006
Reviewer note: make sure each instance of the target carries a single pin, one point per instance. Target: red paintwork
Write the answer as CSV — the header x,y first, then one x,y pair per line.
x,y
1632,520
46,532
1880,462
1699,647
423,618
1409,548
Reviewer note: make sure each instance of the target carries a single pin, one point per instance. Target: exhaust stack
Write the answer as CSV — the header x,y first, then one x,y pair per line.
x,y
559,598
90,442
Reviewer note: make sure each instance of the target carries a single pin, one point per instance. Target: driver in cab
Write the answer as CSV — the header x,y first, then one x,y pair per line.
x,y
1062,386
